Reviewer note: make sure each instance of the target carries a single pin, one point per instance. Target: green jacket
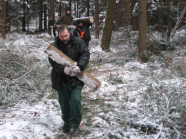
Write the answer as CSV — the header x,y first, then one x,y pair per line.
x,y
65,20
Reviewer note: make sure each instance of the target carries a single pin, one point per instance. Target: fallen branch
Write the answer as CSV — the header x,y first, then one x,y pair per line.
x,y
178,22
23,75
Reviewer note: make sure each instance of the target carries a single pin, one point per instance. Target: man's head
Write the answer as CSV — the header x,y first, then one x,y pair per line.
x,y
64,34
51,18
68,10
79,23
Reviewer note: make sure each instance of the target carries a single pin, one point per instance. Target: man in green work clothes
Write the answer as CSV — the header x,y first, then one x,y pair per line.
x,y
64,79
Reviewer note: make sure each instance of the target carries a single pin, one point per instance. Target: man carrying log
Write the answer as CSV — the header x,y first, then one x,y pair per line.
x,y
65,19
64,79
82,31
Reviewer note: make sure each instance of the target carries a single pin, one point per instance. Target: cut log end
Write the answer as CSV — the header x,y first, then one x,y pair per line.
x,y
91,19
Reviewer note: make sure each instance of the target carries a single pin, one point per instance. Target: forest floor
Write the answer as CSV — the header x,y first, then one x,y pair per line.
x,y
135,101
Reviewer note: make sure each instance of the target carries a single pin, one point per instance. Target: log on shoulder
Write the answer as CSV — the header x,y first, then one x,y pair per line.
x,y
59,57
85,20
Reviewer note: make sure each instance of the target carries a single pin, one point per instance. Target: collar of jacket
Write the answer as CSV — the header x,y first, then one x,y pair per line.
x,y
68,14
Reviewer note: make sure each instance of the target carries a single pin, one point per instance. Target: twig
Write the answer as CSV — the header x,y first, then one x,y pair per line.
x,y
161,127
23,75
182,42
10,76
152,42
183,126
178,22
176,129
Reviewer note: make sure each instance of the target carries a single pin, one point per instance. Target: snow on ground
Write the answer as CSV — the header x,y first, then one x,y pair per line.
x,y
112,106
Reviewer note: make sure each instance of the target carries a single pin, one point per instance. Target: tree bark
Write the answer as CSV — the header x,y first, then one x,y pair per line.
x,y
169,18
45,19
160,17
142,36
70,4
107,31
3,28
28,18
117,25
128,12
88,8
124,12
23,19
51,11
148,13
96,19
40,15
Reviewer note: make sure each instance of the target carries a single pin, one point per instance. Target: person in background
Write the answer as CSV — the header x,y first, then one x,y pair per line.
x,y
51,22
64,79
65,19
82,31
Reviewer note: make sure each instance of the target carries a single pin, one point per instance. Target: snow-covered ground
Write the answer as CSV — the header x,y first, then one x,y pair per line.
x,y
134,100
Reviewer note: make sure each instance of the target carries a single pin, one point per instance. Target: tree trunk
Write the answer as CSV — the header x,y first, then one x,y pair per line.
x,y
23,19
59,14
77,8
148,13
3,29
129,13
117,20
107,31
28,18
45,19
169,17
124,12
8,20
63,8
40,15
96,19
88,8
160,17
142,36
51,11
70,4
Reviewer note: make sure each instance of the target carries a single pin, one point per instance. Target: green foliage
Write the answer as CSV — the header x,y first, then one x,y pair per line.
x,y
144,56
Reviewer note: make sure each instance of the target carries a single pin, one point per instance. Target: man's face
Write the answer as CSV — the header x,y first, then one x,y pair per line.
x,y
64,36
80,24
68,12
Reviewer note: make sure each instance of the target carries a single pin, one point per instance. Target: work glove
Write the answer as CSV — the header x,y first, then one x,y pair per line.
x,y
72,71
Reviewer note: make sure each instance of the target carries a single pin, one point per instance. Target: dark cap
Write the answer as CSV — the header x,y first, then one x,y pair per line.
x,y
79,21
68,9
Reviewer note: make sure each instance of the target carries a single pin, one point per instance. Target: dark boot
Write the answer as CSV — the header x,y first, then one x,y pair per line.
x,y
72,131
66,129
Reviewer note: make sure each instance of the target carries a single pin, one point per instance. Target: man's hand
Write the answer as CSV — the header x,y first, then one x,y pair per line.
x,y
76,70
72,71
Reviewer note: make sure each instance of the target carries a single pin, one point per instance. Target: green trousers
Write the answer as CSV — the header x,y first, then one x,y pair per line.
x,y
70,103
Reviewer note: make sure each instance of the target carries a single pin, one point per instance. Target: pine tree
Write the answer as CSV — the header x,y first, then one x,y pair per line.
x,y
142,36
107,31
96,19
3,28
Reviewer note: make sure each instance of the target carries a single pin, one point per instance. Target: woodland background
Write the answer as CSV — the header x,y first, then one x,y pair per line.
x,y
138,52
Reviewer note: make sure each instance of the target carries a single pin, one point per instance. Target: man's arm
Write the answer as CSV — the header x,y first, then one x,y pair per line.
x,y
60,20
84,55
